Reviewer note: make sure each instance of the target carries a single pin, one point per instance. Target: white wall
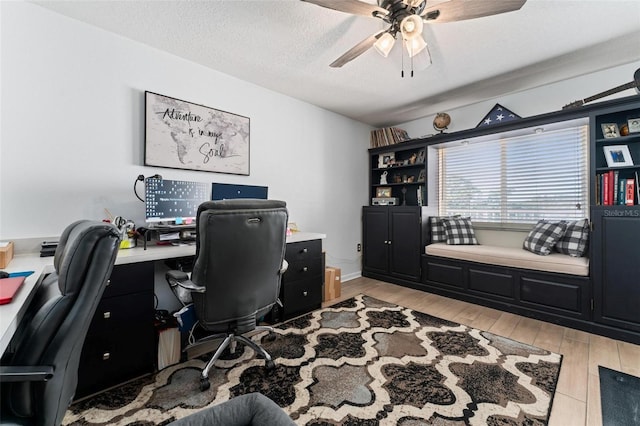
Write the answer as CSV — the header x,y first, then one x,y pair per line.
x,y
72,134
540,100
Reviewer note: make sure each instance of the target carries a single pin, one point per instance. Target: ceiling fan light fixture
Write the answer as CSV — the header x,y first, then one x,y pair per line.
x,y
385,44
422,60
411,27
415,46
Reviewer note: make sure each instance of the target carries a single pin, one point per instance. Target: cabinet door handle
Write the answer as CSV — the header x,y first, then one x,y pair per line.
x,y
305,269
106,315
108,282
389,242
305,293
305,250
386,242
106,356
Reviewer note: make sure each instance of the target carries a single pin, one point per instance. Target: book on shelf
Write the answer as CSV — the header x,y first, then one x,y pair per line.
x,y
615,188
605,189
616,192
630,192
637,189
387,136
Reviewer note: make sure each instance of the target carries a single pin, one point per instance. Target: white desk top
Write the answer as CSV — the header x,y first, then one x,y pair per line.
x,y
11,313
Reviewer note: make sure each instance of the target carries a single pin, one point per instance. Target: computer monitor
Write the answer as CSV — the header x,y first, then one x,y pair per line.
x,y
174,201
228,191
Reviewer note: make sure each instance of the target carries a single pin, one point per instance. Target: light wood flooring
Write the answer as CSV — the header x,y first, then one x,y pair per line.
x,y
577,398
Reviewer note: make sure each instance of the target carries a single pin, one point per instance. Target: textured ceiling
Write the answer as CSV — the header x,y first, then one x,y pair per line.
x,y
287,46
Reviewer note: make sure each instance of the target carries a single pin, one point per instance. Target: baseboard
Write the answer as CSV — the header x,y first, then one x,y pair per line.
x,y
351,276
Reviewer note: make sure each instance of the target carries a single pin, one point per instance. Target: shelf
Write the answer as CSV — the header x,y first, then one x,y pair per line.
x,y
399,184
606,169
619,140
408,166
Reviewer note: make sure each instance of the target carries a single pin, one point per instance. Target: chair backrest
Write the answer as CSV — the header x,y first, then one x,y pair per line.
x,y
240,247
56,323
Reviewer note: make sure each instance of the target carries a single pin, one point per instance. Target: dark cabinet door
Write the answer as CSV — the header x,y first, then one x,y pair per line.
x,y
375,238
392,239
615,263
404,243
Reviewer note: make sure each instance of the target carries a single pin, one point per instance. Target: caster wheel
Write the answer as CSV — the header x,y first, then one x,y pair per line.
x,y
270,337
204,384
270,365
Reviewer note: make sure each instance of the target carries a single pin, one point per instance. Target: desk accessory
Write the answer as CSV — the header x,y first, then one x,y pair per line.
x,y
384,201
6,253
8,288
48,248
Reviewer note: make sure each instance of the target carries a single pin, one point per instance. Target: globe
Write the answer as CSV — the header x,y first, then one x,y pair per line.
x,y
441,122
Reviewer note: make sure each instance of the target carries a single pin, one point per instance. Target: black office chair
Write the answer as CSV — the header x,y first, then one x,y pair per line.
x,y
39,372
240,247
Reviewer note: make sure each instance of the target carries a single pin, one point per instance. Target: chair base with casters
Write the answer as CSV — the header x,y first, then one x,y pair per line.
x,y
182,286
230,340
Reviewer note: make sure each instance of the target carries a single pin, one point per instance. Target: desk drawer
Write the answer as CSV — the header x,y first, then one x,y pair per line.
x,y
303,250
301,270
122,312
130,278
302,296
114,359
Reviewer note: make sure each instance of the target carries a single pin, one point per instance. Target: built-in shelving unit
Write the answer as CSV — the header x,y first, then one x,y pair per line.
x,y
398,171
612,285
615,244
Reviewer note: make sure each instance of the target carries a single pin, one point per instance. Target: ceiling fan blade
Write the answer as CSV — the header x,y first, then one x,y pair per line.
x,y
459,10
357,50
355,7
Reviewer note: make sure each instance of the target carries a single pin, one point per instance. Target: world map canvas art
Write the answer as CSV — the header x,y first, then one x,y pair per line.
x,y
184,135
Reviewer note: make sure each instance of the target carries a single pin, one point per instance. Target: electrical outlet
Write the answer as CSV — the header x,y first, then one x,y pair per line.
x,y
359,248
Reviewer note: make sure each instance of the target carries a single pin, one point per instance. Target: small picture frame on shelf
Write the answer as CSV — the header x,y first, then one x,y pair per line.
x,y
420,159
634,125
610,130
383,192
617,156
386,160
421,176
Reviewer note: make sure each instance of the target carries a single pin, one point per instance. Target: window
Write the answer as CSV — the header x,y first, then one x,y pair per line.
x,y
536,173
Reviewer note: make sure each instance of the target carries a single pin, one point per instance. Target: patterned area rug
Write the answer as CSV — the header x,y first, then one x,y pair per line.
x,y
362,361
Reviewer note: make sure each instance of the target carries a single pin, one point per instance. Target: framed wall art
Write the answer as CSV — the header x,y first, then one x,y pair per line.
x,y
634,125
617,155
383,192
184,135
610,130
386,160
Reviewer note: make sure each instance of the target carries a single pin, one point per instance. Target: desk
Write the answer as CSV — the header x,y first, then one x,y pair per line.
x,y
12,313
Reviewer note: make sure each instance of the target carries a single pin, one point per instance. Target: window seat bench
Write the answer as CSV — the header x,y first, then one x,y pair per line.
x,y
555,288
512,257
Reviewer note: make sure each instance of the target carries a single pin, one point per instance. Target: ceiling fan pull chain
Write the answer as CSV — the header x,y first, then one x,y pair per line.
x,y
412,66
402,55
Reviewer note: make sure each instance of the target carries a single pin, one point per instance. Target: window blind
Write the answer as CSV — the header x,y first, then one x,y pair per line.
x,y
519,179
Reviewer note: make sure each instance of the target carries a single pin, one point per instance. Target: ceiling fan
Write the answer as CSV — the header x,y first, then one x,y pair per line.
x,y
406,17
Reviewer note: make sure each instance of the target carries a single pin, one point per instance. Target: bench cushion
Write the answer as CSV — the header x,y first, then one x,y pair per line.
x,y
512,257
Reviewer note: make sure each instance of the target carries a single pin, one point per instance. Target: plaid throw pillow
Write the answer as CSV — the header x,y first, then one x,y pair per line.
x,y
575,240
459,231
438,233
437,229
544,236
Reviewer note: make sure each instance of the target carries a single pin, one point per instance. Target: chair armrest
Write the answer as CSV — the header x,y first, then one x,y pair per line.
x,y
35,373
285,266
181,279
